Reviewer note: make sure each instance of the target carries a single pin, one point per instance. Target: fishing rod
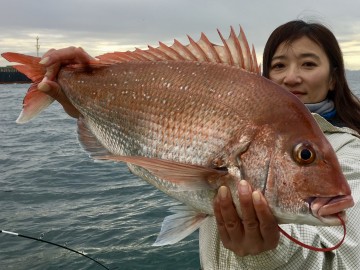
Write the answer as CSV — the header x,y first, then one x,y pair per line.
x,y
54,244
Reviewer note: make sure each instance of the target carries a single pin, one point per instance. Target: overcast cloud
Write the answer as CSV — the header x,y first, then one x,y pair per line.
x,y
101,26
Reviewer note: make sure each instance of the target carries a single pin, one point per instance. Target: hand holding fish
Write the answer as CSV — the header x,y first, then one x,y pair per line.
x,y
256,232
53,60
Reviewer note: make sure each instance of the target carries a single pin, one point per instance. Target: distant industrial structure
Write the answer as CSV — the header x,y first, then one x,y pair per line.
x,y
37,46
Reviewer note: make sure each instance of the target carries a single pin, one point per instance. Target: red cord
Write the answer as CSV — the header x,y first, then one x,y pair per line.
x,y
316,248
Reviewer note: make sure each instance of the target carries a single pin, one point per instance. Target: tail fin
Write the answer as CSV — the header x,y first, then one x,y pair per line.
x,y
35,101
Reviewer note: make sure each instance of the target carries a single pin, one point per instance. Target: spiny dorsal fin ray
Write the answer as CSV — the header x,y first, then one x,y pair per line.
x,y
184,51
226,51
235,51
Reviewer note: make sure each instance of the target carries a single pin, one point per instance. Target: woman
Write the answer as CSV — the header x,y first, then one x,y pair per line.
x,y
307,61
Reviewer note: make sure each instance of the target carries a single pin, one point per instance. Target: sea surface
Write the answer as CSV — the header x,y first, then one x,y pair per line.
x,y
50,189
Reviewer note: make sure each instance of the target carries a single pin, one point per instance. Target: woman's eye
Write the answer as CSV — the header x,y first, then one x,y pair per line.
x,y
277,66
309,64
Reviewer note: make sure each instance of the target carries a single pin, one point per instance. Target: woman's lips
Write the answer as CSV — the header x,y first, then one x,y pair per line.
x,y
297,93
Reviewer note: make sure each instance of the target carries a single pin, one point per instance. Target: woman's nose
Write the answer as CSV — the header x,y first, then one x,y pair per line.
x,y
292,76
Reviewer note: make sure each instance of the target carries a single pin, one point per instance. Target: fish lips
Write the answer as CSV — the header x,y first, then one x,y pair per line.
x,y
327,209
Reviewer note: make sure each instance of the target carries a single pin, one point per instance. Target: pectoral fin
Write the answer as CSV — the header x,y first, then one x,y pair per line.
x,y
184,177
179,225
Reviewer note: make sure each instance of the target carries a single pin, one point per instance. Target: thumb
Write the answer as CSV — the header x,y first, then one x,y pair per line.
x,y
54,90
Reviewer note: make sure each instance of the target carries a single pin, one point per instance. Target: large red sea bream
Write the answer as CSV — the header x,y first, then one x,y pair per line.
x,y
188,119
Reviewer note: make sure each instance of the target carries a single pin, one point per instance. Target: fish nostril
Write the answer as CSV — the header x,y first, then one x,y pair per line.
x,y
309,201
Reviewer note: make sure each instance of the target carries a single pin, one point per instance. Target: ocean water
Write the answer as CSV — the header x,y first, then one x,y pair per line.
x,y
50,189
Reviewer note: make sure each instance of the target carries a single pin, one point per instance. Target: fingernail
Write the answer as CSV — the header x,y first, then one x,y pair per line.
x,y
44,61
44,87
256,197
243,186
223,192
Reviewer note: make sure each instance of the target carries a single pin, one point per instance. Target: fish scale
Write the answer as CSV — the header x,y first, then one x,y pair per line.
x,y
190,118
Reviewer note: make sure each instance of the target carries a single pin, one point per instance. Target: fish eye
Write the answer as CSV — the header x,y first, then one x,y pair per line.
x,y
304,153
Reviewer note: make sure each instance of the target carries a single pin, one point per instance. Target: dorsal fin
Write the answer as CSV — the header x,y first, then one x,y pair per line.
x,y
235,51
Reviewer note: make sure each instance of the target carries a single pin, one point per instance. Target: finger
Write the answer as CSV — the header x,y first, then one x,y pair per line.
x,y
230,216
249,217
62,56
69,55
83,56
52,71
267,221
47,53
54,90
246,203
224,236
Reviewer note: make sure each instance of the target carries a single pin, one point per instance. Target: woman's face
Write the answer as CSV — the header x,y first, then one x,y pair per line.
x,y
303,68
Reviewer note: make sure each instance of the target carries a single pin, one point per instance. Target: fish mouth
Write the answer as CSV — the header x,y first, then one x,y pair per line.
x,y
328,209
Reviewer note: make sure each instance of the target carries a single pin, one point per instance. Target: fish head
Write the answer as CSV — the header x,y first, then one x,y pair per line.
x,y
299,174
309,183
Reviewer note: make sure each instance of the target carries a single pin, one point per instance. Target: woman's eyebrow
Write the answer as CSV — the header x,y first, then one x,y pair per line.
x,y
278,57
302,55
311,55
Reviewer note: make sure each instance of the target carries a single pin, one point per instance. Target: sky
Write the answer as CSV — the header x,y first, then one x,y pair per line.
x,y
101,26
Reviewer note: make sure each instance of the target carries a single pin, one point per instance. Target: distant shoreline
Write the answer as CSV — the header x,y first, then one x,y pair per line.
x,y
9,75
